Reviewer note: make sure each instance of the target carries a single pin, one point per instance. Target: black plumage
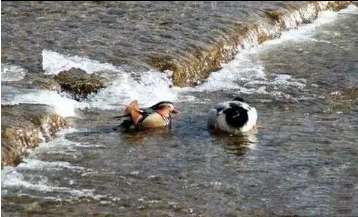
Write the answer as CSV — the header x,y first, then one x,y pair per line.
x,y
159,105
236,116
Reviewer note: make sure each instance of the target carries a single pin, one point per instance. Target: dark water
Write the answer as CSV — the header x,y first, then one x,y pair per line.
x,y
301,161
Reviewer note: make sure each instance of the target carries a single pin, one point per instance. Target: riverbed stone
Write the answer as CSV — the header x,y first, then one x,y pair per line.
x,y
78,83
24,127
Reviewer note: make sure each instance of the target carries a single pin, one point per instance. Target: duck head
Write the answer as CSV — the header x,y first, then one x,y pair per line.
x,y
165,108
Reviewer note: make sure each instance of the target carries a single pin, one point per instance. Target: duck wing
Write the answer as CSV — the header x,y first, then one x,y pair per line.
x,y
147,111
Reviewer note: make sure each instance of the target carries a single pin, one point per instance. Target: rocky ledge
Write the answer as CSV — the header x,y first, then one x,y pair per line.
x,y
199,63
24,127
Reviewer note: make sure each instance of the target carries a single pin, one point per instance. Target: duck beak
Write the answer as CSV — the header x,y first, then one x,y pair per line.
x,y
175,111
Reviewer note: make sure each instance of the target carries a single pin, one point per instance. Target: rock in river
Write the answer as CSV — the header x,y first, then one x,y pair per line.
x,y
78,83
23,127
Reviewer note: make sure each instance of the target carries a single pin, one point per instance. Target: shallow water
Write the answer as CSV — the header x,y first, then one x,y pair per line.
x,y
301,161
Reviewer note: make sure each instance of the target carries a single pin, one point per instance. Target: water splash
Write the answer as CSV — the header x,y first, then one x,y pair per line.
x,y
53,63
13,179
243,68
12,72
35,164
351,9
63,105
147,87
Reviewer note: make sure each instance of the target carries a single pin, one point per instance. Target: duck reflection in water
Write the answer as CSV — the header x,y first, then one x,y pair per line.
x,y
236,144
145,136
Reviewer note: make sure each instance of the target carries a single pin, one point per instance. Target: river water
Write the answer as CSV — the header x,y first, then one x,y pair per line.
x,y
301,161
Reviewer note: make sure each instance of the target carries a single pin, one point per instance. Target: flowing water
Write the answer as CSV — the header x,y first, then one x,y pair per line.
x,y
125,33
302,160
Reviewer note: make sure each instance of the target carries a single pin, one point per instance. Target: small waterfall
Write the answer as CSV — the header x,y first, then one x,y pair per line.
x,y
247,36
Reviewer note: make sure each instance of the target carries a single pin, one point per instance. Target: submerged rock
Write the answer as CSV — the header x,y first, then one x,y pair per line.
x,y
78,83
23,127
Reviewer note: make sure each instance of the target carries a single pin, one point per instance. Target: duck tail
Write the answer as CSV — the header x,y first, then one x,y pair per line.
x,y
132,106
134,111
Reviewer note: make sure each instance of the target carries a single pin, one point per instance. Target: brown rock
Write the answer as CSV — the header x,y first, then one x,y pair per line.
x,y
23,127
78,83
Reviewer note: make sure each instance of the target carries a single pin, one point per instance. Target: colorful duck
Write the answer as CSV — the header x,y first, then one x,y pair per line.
x,y
158,115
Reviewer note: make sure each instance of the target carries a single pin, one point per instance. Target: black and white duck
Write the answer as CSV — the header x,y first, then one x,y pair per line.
x,y
233,117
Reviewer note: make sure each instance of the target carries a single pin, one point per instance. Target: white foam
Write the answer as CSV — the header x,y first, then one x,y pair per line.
x,y
63,106
351,9
307,31
53,63
35,164
13,179
304,32
12,72
287,80
150,88
243,68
